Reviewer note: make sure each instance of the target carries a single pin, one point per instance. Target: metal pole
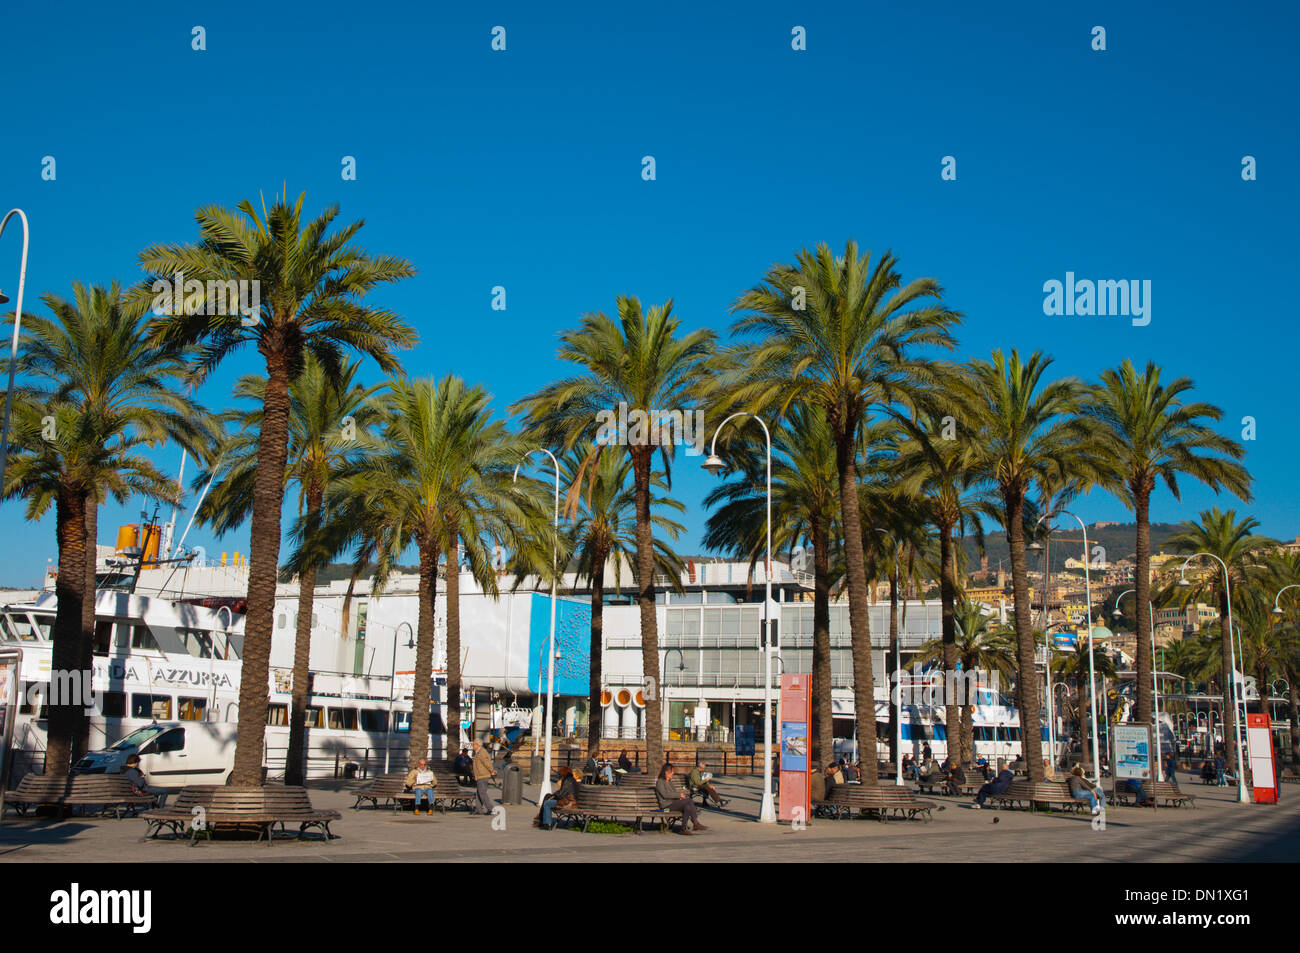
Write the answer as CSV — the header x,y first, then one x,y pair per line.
x,y
767,811
392,690
550,661
13,349
898,675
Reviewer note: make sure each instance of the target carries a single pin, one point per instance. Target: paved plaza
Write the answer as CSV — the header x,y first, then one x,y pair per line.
x,y
1217,830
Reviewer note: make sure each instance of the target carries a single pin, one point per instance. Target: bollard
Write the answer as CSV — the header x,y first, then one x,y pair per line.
x,y
512,785
535,770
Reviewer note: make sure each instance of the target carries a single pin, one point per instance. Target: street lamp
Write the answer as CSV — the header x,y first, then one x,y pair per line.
x,y
898,674
392,687
1092,675
1051,697
550,661
1232,677
1155,675
663,694
714,464
13,349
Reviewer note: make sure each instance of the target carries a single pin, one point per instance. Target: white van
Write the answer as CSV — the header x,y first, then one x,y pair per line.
x,y
172,754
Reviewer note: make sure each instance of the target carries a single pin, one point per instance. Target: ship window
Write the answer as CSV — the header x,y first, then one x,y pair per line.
x,y
33,699
23,628
373,720
46,624
156,707
197,642
142,638
315,718
191,709
343,719
436,726
103,637
114,704
277,714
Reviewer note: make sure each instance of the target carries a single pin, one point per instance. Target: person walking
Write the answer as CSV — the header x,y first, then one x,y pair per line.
x,y
421,781
997,786
670,800
483,771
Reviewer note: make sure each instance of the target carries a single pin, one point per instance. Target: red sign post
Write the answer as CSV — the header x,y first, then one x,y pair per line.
x,y
796,762
1263,769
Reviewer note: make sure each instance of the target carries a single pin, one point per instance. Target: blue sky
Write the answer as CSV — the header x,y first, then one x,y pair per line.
x,y
523,169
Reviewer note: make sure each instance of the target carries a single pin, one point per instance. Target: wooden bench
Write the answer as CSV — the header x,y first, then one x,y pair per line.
x,y
617,803
391,789
1289,774
879,801
1032,793
208,807
647,781
1158,791
106,791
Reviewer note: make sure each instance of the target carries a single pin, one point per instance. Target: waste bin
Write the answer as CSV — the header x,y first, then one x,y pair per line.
x,y
535,770
512,785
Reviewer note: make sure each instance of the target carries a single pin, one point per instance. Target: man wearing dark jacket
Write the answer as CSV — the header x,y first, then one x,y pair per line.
x,y
997,786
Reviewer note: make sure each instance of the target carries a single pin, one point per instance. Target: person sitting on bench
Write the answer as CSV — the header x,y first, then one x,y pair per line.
x,y
998,785
421,781
699,780
625,765
955,779
1081,789
566,796
140,785
1136,786
670,800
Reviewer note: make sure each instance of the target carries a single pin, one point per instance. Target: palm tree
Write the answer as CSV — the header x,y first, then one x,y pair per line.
x,y
804,513
840,334
1020,432
1072,668
602,510
442,483
93,360
309,284
1221,534
641,365
328,421
1148,434
946,474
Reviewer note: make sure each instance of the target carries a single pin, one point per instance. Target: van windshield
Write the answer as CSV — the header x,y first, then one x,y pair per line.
x,y
137,739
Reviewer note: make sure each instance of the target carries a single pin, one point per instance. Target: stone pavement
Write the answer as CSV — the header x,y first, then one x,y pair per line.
x,y
1219,829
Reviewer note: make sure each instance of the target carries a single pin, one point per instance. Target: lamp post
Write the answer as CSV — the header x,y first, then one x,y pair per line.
x,y
13,348
545,789
898,674
1242,796
1155,676
767,812
663,694
1092,676
392,687
1051,695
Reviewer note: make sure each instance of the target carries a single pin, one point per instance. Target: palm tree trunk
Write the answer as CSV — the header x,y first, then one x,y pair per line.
x,y
1142,585
967,742
263,568
645,600
295,761
1229,666
947,604
81,737
595,710
1031,740
823,711
424,639
864,694
452,736
65,661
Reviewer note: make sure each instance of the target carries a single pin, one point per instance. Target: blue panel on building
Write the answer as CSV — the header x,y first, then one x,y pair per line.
x,y
572,640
